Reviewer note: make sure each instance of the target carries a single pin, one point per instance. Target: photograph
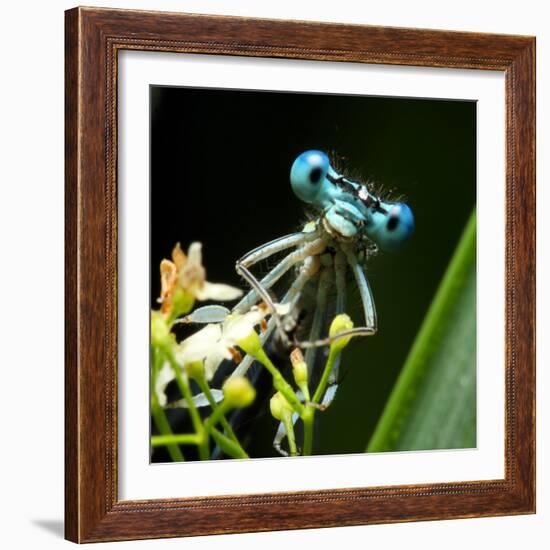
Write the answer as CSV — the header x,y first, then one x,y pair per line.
x,y
312,274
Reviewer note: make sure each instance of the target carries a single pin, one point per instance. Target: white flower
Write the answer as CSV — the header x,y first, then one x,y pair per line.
x,y
212,344
216,342
165,375
186,272
192,276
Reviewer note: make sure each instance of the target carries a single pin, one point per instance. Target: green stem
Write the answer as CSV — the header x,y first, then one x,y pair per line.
x,y
216,415
183,385
175,439
307,419
289,427
320,391
163,426
309,414
227,445
159,415
203,384
305,391
230,445
279,383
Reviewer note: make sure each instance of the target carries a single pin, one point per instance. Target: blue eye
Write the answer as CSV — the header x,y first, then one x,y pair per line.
x,y
392,229
308,173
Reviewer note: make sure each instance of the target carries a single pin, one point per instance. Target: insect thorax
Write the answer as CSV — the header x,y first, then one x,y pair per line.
x,y
363,247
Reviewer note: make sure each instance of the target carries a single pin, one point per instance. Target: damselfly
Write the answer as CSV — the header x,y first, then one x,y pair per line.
x,y
350,224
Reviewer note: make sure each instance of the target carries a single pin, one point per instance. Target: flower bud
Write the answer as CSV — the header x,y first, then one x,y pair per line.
x,y
299,367
238,392
341,323
160,331
182,302
251,343
195,369
279,406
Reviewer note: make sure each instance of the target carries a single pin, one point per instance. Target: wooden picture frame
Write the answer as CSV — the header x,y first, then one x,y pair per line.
x,y
93,511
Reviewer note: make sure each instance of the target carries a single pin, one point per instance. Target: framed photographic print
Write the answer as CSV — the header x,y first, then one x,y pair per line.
x,y
300,275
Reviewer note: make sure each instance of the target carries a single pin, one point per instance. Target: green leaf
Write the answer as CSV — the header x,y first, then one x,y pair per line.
x,y
433,404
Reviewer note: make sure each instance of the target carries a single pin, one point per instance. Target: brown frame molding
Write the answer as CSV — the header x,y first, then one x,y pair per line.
x,y
93,38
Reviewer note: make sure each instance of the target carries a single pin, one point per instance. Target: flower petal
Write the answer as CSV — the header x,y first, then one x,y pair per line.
x,y
198,345
194,254
237,327
168,281
164,376
216,355
217,291
178,256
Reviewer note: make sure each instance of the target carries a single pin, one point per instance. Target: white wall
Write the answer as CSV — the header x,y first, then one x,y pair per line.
x,y
31,214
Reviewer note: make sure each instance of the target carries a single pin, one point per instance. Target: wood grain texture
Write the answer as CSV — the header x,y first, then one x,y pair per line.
x,y
71,286
93,38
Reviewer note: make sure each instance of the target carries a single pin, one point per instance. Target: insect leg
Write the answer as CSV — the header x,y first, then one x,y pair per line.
x,y
323,287
340,266
312,248
277,245
308,270
364,290
329,395
340,276
280,435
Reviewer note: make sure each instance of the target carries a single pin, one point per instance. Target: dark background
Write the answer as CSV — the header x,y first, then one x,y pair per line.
x,y
220,162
